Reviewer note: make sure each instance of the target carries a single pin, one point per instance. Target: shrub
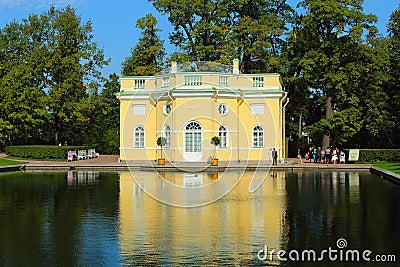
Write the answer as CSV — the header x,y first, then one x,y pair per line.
x,y
40,152
373,155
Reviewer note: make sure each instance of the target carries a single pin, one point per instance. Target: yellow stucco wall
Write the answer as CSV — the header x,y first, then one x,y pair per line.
x,y
239,121
200,103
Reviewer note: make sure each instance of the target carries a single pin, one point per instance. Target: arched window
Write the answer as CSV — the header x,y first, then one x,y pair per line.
x,y
193,126
258,136
138,136
167,135
193,137
223,136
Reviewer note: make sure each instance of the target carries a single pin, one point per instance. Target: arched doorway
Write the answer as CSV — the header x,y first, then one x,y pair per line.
x,y
193,138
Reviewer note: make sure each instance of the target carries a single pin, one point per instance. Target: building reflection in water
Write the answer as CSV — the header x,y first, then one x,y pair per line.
x,y
221,231
287,210
106,218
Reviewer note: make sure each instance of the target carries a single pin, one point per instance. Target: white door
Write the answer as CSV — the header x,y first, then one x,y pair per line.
x,y
193,136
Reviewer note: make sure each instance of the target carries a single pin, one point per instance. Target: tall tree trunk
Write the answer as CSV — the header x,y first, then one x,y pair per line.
x,y
56,138
328,113
56,130
300,128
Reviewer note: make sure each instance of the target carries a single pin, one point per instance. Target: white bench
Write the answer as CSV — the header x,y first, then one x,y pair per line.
x,y
82,154
92,154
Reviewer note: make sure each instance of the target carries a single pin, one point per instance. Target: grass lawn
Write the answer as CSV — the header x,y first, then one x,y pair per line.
x,y
4,162
390,166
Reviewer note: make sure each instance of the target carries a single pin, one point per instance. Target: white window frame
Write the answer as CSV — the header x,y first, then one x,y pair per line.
x,y
223,136
193,133
167,135
258,136
138,137
223,109
167,108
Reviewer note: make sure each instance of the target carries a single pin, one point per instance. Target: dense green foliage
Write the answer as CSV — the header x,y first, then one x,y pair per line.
x,y
49,78
148,54
103,125
374,155
340,72
41,152
252,31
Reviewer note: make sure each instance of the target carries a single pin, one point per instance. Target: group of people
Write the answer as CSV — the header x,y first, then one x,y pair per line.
x,y
320,155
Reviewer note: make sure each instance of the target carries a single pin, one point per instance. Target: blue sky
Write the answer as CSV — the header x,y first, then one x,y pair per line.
x,y
114,21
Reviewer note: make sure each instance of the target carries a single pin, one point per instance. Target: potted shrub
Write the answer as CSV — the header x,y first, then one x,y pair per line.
x,y
161,141
215,141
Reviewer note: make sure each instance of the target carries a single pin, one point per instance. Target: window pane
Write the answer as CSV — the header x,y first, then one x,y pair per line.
x,y
223,136
188,142
197,142
167,135
139,137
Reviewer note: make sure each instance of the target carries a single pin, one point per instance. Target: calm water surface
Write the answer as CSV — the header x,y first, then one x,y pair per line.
x,y
106,219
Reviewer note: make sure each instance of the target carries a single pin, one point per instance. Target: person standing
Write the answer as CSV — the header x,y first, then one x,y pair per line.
x,y
274,157
322,155
342,157
334,156
314,155
328,155
299,161
319,155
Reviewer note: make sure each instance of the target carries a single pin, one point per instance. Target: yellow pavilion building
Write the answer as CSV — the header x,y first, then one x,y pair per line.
x,y
189,103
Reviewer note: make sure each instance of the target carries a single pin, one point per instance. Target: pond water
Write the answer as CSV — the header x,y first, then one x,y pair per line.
x,y
107,219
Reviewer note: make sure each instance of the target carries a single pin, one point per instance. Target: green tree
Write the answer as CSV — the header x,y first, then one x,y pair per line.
x,y
258,34
377,126
22,100
298,91
47,59
393,28
74,57
148,54
200,28
331,32
219,31
103,128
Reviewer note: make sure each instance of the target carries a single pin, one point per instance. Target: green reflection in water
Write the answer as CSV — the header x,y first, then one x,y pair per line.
x,y
45,221
104,218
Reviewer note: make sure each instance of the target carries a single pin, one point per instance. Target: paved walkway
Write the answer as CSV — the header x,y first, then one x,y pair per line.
x,y
110,162
113,160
